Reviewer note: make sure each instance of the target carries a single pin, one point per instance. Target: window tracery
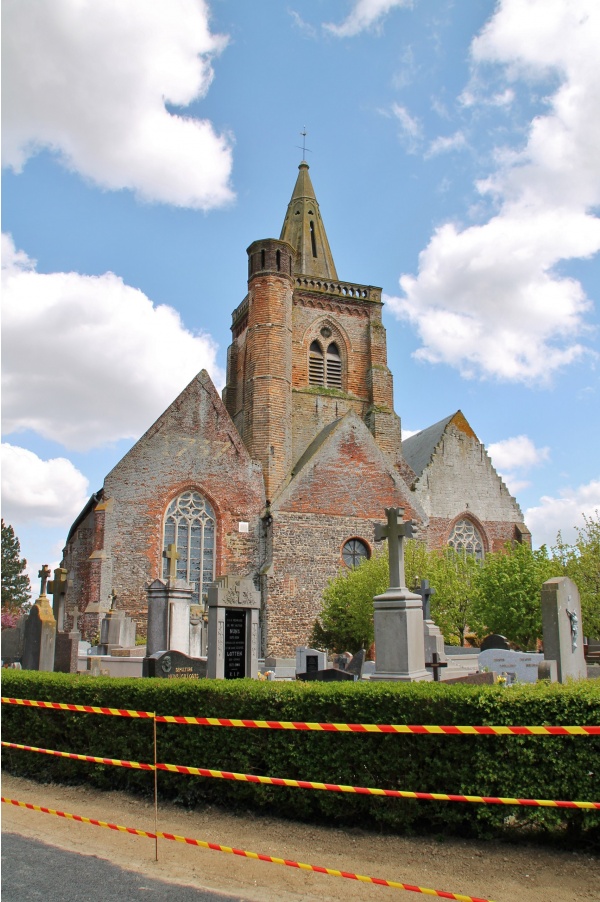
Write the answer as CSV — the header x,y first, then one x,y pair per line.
x,y
466,537
190,525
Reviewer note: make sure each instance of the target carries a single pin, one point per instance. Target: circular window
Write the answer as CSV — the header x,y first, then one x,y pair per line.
x,y
354,552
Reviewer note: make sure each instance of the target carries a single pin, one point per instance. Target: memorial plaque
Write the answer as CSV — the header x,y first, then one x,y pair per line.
x,y
312,663
174,665
235,644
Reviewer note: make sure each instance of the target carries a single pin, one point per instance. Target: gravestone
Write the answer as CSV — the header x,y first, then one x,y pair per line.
x,y
398,613
355,664
561,625
435,656
13,642
310,660
329,675
495,640
40,631
58,588
173,665
158,618
196,631
233,608
116,628
517,665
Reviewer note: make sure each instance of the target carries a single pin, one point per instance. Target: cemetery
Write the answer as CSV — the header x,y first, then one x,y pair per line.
x,y
194,662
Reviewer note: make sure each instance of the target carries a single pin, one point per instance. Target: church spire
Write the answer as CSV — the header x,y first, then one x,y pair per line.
x,y
303,228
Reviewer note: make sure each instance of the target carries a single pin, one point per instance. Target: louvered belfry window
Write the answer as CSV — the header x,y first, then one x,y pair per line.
x,y
316,365
325,368
334,367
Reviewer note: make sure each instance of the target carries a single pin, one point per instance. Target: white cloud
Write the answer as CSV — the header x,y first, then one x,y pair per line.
x,y
489,299
364,15
90,82
44,492
410,125
563,514
517,453
446,143
514,457
89,360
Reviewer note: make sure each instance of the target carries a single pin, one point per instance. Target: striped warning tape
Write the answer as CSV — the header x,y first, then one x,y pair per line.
x,y
215,847
381,728
307,784
86,709
116,762
362,790
449,730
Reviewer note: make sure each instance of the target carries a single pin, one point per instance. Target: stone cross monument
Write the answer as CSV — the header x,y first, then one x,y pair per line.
x,y
40,631
399,643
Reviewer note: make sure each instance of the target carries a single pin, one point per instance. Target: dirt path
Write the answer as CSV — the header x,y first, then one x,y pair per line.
x,y
499,872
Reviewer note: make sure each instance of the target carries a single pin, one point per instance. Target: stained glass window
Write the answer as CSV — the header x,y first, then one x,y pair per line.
x,y
190,526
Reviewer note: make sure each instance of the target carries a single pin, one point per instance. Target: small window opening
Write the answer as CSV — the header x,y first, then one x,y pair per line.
x,y
313,240
262,259
278,259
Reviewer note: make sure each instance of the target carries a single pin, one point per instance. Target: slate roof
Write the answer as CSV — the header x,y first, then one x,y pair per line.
x,y
418,449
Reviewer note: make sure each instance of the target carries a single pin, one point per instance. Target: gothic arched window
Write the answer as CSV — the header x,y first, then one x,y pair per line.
x,y
466,537
190,525
325,368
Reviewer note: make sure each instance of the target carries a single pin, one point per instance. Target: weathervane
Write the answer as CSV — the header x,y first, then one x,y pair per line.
x,y
304,148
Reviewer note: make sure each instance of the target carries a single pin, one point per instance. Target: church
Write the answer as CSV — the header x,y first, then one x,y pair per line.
x,y
284,477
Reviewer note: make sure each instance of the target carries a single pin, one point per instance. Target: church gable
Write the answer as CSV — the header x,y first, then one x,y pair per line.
x,y
459,488
343,473
188,480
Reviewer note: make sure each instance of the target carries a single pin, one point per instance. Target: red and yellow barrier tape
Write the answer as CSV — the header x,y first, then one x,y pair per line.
x,y
86,709
332,872
307,784
381,728
362,790
419,729
115,762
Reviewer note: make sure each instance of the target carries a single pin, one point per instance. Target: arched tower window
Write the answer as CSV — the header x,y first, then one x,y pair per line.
x,y
316,365
190,525
313,239
334,367
466,537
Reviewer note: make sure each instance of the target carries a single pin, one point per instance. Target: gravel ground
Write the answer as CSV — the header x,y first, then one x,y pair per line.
x,y
500,872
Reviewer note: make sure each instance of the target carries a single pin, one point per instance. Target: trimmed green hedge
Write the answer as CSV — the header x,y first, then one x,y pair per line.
x,y
537,767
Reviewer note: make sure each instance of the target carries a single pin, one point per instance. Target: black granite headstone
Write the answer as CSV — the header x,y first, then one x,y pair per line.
x,y
174,665
235,644
312,663
495,640
331,675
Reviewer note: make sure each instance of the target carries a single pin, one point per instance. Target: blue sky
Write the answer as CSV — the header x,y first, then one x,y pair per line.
x,y
453,148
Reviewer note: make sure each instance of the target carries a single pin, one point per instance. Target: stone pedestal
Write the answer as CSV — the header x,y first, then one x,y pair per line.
x,y
158,618
180,599
118,629
399,645
40,637
561,625
233,608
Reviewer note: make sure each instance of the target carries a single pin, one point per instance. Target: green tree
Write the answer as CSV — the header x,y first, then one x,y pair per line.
x,y
16,590
509,588
454,576
581,562
346,621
